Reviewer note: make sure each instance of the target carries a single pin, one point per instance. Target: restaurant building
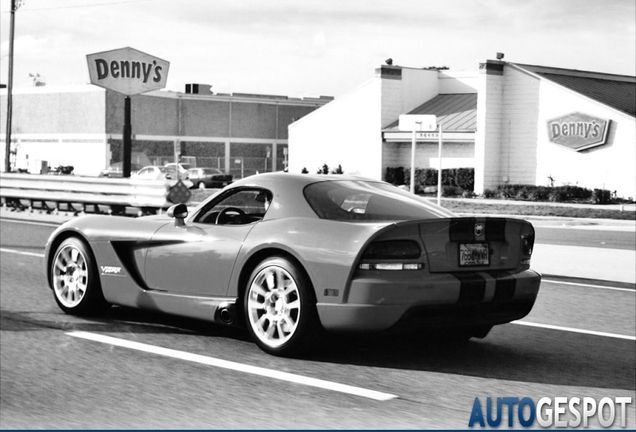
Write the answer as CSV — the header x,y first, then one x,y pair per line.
x,y
513,123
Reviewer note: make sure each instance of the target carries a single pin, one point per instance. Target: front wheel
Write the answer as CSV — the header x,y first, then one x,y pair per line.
x,y
280,307
74,279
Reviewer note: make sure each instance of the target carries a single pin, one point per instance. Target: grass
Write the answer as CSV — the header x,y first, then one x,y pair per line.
x,y
572,211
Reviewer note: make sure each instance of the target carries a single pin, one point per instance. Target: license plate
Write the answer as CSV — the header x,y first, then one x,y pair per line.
x,y
473,254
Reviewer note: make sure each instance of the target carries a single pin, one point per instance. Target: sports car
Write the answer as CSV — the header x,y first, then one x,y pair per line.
x,y
293,256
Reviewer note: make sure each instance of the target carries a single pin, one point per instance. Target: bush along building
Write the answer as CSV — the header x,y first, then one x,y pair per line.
x,y
81,126
507,123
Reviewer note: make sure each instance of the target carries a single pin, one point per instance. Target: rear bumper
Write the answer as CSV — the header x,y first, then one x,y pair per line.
x,y
438,300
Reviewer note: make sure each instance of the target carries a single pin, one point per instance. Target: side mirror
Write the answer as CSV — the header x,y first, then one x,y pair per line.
x,y
179,212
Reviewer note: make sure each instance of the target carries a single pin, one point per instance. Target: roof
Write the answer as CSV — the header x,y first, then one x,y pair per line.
x,y
615,91
455,112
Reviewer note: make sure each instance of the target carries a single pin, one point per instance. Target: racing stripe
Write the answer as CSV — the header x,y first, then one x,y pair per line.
x,y
496,229
462,230
505,288
472,288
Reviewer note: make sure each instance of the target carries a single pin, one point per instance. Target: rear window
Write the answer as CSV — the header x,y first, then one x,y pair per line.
x,y
353,200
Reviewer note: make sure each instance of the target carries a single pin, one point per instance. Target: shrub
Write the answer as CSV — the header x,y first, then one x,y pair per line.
x,y
394,175
337,170
602,196
489,193
539,193
463,178
323,170
558,195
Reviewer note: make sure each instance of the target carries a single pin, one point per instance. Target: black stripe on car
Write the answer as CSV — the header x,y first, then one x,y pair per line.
x,y
505,286
472,288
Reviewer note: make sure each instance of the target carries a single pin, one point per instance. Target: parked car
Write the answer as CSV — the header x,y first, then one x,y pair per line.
x,y
62,170
152,173
116,169
159,173
178,170
209,178
289,256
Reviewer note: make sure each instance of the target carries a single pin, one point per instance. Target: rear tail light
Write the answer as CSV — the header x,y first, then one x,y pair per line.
x,y
396,249
391,266
391,255
527,244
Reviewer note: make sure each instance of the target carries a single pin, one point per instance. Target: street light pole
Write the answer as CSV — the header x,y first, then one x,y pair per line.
x,y
7,151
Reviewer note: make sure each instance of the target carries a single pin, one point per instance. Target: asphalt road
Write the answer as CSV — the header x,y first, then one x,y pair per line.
x,y
579,340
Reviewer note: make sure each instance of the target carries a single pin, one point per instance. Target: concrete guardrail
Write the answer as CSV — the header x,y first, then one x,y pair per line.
x,y
116,194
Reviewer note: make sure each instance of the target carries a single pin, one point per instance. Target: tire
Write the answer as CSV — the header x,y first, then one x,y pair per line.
x,y
481,332
280,308
74,279
477,332
201,185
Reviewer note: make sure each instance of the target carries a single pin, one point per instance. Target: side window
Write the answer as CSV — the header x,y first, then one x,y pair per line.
x,y
238,207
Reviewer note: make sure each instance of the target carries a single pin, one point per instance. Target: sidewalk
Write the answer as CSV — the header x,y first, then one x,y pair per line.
x,y
569,261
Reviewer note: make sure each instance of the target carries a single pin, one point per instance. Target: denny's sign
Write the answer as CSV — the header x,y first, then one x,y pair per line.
x,y
127,71
578,131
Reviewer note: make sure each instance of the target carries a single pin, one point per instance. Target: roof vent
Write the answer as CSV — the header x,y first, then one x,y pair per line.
x,y
203,89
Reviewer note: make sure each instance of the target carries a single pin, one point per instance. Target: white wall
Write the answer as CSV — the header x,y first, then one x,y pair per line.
x,y
458,82
454,155
611,166
87,153
488,134
417,87
346,131
520,111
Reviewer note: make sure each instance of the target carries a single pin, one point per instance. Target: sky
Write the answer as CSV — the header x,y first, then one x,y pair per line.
x,y
303,48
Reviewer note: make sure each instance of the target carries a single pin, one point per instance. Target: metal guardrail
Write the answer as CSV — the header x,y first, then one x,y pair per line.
x,y
68,190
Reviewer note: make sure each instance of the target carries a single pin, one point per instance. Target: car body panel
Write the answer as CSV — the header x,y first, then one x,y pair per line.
x,y
207,251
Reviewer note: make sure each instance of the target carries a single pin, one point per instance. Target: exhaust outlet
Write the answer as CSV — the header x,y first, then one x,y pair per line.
x,y
225,313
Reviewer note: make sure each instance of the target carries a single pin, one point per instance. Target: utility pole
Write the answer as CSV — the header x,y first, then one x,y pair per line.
x,y
15,4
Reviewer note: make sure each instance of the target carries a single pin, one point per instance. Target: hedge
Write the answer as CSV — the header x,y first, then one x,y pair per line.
x,y
524,192
463,178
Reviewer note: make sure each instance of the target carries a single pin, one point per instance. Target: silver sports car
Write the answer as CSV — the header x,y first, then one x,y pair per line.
x,y
289,256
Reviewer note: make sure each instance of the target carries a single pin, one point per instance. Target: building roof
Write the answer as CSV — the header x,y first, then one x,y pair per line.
x,y
455,112
616,91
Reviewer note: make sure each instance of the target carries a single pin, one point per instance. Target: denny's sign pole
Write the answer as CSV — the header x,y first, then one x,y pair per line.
x,y
129,72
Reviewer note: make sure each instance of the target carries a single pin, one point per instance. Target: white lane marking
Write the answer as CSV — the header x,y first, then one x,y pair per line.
x,y
19,252
254,370
589,286
49,224
574,330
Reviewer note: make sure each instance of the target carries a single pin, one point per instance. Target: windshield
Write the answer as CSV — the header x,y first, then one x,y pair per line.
x,y
353,200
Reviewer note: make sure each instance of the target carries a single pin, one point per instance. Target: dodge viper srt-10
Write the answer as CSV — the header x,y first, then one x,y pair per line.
x,y
289,256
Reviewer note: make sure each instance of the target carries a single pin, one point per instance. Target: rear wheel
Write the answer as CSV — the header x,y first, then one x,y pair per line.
x,y
280,308
74,279
478,332
201,185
